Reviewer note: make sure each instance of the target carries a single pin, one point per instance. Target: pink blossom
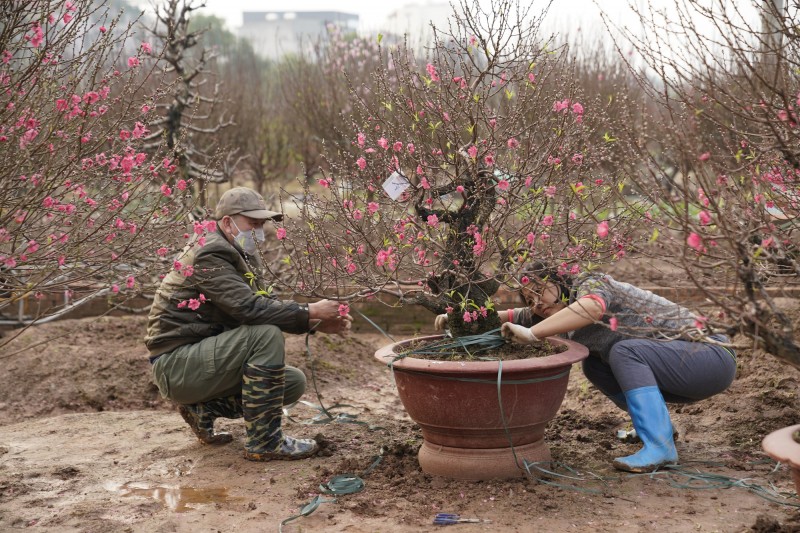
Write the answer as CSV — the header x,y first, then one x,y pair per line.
x,y
133,62
560,106
577,108
433,220
357,214
372,207
460,189
38,35
103,29
188,271
32,246
704,217
705,156
344,310
424,183
472,151
165,190
602,229
492,123
67,17
410,148
547,220
530,237
280,233
130,282
139,130
695,241
700,322
194,304
577,159
362,163
503,185
161,252
513,143
612,323
525,280
531,77
181,185
182,304
361,139
115,288
323,182
432,72
467,316
397,146
383,143
146,48
489,159
351,268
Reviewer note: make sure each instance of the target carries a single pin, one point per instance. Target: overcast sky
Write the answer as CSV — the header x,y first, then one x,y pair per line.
x,y
372,13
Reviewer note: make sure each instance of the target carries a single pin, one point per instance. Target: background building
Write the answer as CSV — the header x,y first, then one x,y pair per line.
x,y
278,33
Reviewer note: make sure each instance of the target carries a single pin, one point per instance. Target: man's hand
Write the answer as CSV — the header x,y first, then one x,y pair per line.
x,y
335,326
518,334
323,310
440,322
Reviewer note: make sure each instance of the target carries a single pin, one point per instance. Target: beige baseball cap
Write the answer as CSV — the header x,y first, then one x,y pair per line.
x,y
244,201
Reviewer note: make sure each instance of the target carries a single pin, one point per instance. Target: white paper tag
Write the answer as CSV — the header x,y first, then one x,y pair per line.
x,y
395,185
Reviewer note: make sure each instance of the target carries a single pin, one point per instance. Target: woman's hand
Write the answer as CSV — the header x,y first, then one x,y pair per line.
x,y
518,334
440,322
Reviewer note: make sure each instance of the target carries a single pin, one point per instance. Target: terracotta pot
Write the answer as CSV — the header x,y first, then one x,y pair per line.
x,y
456,405
781,446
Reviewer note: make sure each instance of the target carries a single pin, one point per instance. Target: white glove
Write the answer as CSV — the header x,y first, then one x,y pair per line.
x,y
440,323
518,334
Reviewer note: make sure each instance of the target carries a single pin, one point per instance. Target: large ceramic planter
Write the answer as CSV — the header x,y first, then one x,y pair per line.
x,y
457,406
781,446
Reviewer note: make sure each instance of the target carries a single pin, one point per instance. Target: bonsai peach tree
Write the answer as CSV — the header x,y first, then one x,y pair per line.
x,y
462,167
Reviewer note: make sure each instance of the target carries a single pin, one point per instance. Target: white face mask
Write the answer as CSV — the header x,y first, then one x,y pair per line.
x,y
247,239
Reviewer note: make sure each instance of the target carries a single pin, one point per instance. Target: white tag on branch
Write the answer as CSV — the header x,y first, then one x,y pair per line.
x,y
395,185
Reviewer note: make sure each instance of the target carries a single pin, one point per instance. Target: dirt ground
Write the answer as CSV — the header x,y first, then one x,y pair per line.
x,y
87,444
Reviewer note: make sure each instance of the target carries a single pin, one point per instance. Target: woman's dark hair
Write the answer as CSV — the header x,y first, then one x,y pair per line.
x,y
545,272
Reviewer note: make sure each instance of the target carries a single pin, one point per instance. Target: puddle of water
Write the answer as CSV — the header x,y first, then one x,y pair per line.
x,y
175,498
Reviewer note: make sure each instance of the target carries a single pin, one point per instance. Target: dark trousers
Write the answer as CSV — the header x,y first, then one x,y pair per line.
x,y
684,371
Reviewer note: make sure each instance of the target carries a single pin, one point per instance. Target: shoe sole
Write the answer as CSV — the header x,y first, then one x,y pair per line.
x,y
271,456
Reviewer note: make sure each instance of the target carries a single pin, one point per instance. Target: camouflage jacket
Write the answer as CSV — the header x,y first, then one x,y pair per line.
x,y
219,294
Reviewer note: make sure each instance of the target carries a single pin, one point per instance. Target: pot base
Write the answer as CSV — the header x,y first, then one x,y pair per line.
x,y
781,446
476,464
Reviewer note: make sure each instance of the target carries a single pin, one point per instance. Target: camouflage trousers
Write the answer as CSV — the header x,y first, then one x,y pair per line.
x,y
214,367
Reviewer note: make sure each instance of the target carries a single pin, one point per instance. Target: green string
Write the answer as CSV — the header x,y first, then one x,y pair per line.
x,y
338,485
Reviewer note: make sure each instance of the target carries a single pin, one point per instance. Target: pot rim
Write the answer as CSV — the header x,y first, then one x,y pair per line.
x,y
782,447
575,352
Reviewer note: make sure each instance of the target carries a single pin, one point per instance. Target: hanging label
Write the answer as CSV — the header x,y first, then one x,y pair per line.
x,y
395,185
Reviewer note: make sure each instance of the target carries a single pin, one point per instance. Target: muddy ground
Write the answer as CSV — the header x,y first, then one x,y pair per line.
x,y
87,444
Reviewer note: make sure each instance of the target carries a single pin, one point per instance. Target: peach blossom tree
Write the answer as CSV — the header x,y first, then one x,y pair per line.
x,y
463,167
85,212
723,111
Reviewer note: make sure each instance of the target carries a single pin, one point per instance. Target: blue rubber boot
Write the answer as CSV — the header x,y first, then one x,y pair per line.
x,y
651,421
